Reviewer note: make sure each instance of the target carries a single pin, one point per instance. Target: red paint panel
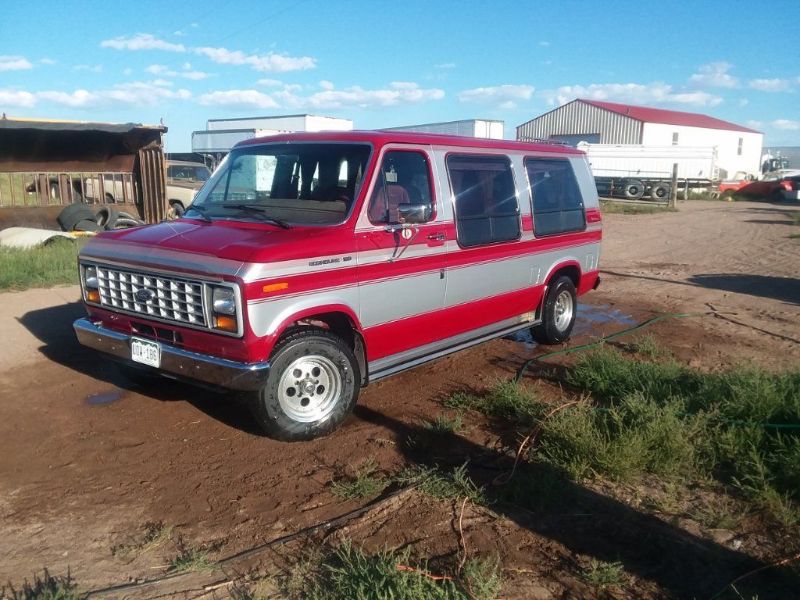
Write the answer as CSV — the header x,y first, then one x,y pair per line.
x,y
586,284
246,349
404,334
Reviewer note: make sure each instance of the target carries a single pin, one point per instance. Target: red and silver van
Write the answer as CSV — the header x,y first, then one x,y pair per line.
x,y
312,264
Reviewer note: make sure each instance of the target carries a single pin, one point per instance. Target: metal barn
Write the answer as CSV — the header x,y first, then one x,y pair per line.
x,y
738,148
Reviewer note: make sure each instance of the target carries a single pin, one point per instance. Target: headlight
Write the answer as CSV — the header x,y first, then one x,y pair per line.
x,y
224,301
223,307
91,285
90,278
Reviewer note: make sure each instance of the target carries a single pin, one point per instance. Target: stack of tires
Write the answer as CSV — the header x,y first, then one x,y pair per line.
x,y
80,217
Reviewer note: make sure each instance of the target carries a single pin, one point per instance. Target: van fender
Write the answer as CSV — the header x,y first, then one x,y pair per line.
x,y
568,262
269,319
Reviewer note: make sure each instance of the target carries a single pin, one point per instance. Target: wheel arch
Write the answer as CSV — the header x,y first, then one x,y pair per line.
x,y
571,268
339,319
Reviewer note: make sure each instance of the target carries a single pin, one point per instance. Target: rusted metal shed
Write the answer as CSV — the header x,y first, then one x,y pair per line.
x,y
45,165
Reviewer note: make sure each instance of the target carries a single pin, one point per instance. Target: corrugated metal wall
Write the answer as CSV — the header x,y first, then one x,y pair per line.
x,y
578,118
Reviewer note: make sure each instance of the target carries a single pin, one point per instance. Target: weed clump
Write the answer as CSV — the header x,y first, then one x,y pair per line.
x,y
350,572
365,483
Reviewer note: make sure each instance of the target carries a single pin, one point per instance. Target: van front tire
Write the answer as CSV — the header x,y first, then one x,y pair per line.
x,y
558,313
312,387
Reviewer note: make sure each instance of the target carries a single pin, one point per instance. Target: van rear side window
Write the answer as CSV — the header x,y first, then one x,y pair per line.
x,y
557,202
487,210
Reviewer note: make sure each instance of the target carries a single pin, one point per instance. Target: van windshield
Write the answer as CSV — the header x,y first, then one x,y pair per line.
x,y
298,183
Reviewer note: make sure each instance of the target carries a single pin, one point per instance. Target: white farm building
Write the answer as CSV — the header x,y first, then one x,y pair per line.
x,y
738,148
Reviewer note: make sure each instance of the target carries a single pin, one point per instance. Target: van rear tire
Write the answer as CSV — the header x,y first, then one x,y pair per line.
x,y
313,385
558,313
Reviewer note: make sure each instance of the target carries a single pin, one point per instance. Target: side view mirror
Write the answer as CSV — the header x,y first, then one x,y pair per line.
x,y
414,213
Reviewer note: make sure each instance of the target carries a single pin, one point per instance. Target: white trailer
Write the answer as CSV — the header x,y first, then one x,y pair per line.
x,y
633,170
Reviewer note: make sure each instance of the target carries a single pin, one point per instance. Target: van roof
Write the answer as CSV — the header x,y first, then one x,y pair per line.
x,y
380,138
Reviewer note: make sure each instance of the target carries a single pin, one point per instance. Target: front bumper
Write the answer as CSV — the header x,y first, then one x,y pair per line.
x,y
176,362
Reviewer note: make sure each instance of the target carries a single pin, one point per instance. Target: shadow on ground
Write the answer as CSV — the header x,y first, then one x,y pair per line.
x,y
53,327
591,524
785,289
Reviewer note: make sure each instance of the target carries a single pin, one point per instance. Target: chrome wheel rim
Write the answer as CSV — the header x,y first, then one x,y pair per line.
x,y
564,309
309,388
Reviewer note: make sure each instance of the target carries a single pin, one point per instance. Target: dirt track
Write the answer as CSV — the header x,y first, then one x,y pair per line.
x,y
82,473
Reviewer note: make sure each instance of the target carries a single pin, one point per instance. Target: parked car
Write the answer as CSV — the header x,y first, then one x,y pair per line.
x,y
311,265
184,179
779,185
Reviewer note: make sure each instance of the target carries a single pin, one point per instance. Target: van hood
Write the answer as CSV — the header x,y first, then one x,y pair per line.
x,y
189,241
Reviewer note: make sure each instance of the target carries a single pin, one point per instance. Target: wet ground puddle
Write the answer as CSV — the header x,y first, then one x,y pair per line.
x,y
591,318
103,398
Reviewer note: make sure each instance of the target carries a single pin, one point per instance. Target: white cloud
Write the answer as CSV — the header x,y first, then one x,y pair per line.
x,y
770,85
16,99
239,99
544,44
326,85
137,93
329,98
88,68
633,93
714,75
141,41
187,73
754,124
743,102
504,96
47,61
397,93
271,62
269,82
14,63
445,66
786,125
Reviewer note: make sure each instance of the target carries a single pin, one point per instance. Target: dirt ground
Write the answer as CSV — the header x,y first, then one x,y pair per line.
x,y
88,460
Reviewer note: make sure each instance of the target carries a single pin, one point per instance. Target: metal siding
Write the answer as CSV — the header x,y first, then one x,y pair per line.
x,y
576,118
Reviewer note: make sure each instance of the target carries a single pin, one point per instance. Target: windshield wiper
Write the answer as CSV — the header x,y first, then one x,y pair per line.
x,y
259,212
200,210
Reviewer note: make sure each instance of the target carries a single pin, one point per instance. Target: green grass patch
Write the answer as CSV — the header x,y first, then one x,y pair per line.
x,y
660,417
444,485
445,424
648,346
44,587
610,207
366,482
350,572
52,264
699,423
191,559
604,574
505,400
154,536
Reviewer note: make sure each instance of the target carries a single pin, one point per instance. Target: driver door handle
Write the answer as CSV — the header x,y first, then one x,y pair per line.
x,y
437,237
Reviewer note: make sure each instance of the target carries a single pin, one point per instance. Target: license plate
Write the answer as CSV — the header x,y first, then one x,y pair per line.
x,y
146,352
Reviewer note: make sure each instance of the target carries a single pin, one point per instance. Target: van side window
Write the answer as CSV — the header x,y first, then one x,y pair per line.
x,y
487,210
557,201
402,192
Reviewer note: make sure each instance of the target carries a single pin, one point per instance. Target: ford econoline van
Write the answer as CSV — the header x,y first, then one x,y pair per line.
x,y
312,264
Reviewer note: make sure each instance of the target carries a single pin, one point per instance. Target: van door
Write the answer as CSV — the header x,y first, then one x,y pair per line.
x,y
401,257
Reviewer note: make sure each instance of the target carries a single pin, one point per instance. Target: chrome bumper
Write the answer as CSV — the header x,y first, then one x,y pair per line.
x,y
176,362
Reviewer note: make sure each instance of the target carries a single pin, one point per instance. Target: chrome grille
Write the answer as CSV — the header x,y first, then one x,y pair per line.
x,y
171,298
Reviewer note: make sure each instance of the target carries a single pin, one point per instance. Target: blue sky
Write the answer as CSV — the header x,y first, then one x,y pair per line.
x,y
397,63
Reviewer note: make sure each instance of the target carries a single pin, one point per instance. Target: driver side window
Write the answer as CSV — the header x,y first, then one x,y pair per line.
x,y
403,191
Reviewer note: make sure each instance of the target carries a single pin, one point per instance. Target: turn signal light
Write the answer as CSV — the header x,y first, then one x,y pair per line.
x,y
274,287
93,296
225,323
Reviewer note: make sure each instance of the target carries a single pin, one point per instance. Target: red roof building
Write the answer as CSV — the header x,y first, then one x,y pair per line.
x,y
599,122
